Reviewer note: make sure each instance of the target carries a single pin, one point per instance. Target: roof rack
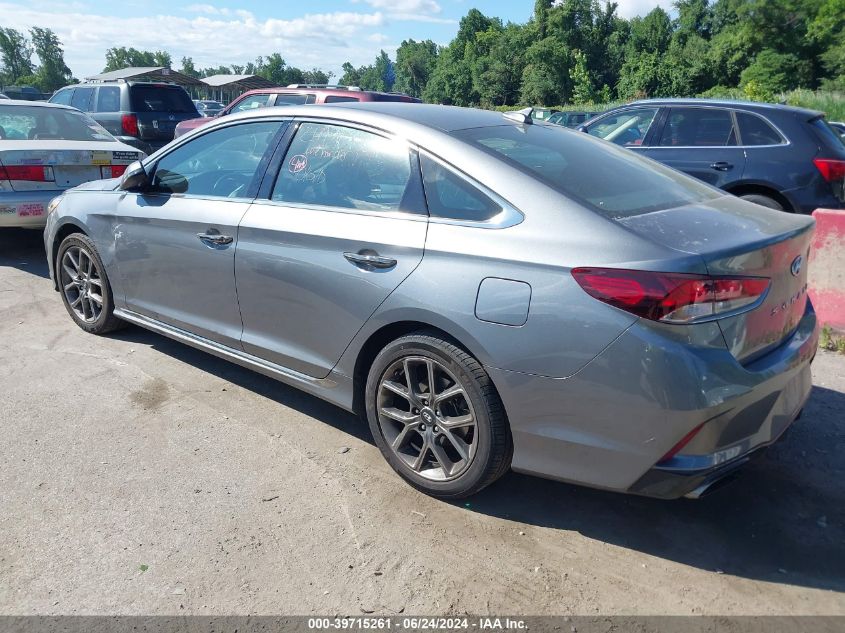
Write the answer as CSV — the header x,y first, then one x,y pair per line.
x,y
328,86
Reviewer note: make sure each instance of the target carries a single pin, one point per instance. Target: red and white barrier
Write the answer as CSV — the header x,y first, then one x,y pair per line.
x,y
827,268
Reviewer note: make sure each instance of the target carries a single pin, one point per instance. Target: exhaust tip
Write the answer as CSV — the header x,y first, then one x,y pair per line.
x,y
709,487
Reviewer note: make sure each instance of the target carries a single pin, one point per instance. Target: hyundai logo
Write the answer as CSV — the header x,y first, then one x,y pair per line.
x,y
796,265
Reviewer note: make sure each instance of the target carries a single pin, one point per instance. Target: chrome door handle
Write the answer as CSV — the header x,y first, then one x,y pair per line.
x,y
374,260
215,238
721,166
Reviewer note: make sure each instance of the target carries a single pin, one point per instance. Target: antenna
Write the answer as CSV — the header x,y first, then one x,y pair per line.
x,y
521,116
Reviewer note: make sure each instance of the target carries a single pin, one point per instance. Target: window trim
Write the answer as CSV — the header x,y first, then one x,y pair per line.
x,y
732,111
275,169
509,215
151,166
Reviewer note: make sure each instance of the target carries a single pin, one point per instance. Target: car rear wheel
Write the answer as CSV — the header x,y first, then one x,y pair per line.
x,y
436,416
84,285
764,201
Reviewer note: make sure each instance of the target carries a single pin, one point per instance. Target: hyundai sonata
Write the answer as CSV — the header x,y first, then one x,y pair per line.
x,y
489,292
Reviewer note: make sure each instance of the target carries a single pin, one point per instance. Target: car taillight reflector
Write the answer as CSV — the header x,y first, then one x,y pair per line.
x,y
33,173
129,124
831,170
670,297
112,171
686,439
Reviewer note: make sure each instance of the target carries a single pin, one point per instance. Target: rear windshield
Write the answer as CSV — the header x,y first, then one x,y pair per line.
x,y
611,180
830,136
48,123
161,99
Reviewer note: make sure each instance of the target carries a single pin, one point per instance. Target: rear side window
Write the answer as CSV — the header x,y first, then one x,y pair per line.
x,y
450,196
108,99
754,130
222,163
293,99
339,99
62,97
698,127
81,99
160,99
610,180
628,128
335,166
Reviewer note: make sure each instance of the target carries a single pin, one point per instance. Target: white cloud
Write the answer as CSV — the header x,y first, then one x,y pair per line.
x,y
404,6
630,8
324,40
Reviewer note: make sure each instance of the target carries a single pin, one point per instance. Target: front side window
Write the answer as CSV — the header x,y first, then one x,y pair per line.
x,y
251,103
756,131
612,181
628,128
81,99
222,163
108,99
450,196
698,127
335,166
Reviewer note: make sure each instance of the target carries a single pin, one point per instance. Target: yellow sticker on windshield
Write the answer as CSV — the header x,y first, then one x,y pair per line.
x,y
100,158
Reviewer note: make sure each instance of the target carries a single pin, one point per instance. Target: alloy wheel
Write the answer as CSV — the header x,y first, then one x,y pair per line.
x,y
82,284
426,418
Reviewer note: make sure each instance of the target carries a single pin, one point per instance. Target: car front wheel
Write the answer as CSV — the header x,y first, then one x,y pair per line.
x,y
436,416
84,285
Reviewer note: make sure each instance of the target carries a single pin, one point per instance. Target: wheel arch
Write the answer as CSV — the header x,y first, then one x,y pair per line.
x,y
68,228
378,339
763,189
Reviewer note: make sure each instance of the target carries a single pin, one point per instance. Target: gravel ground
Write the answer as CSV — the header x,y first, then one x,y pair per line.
x,y
139,476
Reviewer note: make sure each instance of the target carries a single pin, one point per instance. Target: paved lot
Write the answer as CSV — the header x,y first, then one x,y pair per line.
x,y
138,476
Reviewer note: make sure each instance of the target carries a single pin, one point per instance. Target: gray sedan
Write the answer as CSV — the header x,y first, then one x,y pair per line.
x,y
487,291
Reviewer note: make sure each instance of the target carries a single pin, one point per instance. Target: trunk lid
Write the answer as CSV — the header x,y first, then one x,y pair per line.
x,y
65,168
740,239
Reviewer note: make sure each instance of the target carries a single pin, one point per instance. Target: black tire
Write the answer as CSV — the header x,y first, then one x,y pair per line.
x,y
763,201
99,323
491,434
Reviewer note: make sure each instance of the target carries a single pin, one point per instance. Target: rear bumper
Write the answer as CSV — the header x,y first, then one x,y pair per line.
x,y
610,424
25,208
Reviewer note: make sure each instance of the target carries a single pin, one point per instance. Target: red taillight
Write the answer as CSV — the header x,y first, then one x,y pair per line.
x,y
112,171
670,297
129,124
831,170
32,173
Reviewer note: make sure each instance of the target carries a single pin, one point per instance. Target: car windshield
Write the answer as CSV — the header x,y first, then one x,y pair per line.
x,y
39,123
161,99
612,181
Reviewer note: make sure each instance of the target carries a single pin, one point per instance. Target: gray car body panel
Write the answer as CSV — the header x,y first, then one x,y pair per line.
x,y
593,394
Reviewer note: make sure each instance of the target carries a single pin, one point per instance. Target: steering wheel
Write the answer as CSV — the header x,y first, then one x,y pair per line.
x,y
228,185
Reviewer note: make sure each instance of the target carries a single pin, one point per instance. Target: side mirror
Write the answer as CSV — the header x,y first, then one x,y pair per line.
x,y
582,128
135,178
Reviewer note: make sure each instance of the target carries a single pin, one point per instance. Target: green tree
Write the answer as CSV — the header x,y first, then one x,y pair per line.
x,y
188,67
774,72
52,71
414,64
16,55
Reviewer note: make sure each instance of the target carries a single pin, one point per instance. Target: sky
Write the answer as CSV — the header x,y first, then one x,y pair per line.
x,y
307,33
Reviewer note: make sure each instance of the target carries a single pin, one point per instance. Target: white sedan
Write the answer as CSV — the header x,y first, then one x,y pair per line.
x,y
46,148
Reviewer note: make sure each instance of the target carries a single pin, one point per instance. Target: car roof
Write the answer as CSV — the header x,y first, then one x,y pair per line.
x,y
317,90
38,104
748,105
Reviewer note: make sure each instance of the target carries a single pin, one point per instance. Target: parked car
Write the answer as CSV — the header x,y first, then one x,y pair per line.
x,y
141,114
571,119
45,149
3,96
487,291
297,94
778,156
208,109
24,93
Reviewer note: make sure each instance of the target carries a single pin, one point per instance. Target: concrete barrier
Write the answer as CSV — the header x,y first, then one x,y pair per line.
x,y
827,268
